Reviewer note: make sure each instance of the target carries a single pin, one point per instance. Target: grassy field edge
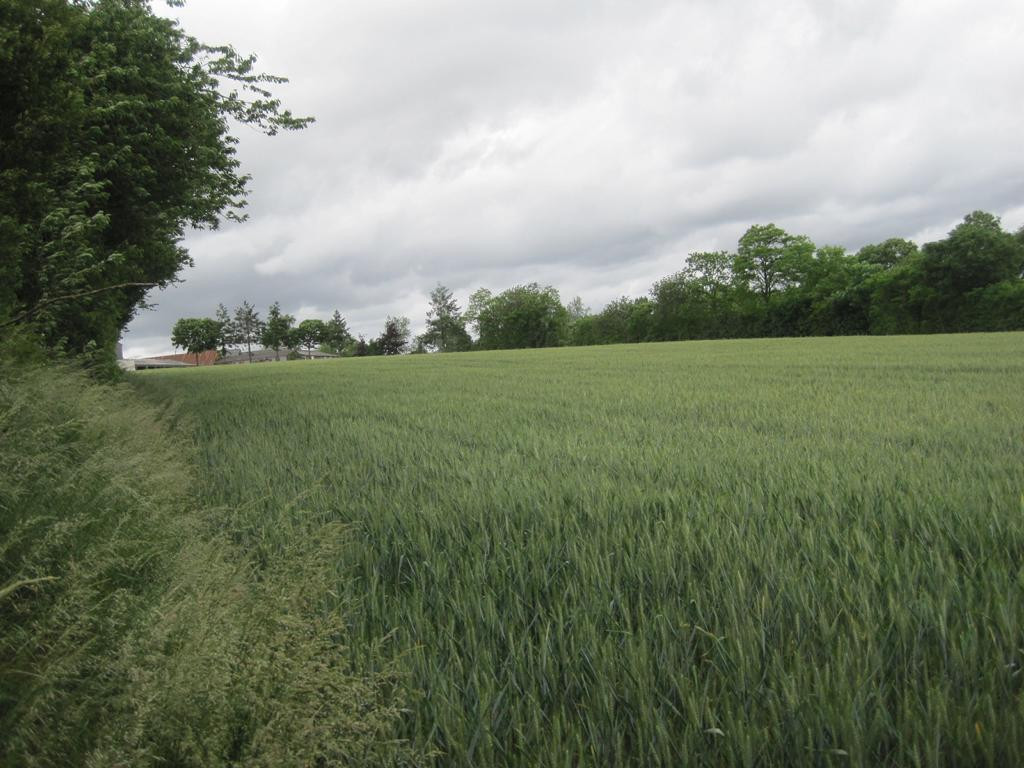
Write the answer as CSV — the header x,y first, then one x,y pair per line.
x,y
134,630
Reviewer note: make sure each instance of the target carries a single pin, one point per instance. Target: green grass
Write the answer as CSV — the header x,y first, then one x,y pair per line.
x,y
134,633
772,552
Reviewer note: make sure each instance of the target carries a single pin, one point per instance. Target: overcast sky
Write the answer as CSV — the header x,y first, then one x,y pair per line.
x,y
592,144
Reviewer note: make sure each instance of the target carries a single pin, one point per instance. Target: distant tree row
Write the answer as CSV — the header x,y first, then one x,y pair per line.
x,y
778,284
774,284
244,328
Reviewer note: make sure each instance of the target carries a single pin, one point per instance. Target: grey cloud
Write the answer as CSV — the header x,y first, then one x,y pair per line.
x,y
593,144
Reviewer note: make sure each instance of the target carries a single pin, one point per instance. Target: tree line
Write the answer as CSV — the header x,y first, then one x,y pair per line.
x,y
773,284
778,284
243,329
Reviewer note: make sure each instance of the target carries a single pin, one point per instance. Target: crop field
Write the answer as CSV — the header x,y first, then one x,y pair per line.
x,y
772,552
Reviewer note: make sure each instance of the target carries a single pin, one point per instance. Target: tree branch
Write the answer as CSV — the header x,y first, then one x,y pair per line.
x,y
69,296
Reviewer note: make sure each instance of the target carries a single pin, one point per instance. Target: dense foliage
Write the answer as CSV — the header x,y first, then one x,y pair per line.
x,y
522,317
196,335
782,285
753,553
114,136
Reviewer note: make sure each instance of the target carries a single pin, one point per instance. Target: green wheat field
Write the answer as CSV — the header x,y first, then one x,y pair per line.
x,y
770,552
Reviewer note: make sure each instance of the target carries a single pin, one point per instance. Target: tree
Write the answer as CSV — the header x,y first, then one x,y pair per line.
x,y
336,335
834,297
576,312
711,270
446,327
576,309
195,335
478,300
977,252
704,300
228,333
248,326
769,259
395,338
277,330
891,253
624,320
700,301
308,334
114,137
955,271
523,316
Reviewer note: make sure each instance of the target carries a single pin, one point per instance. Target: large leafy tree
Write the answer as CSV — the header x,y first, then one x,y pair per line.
x,y
195,335
954,272
888,254
277,330
523,316
446,327
977,252
770,259
309,333
114,137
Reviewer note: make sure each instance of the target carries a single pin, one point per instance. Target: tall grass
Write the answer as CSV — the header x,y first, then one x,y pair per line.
x,y
134,632
775,552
